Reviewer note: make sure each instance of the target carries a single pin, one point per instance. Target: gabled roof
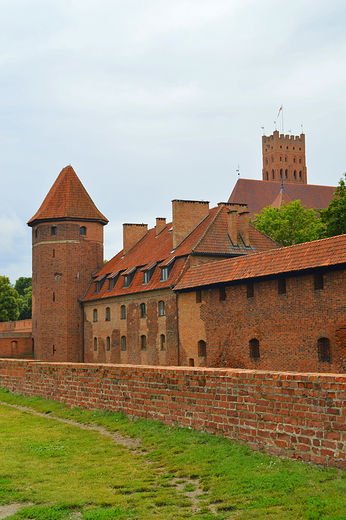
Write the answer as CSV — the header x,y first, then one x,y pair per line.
x,y
209,238
301,257
67,200
259,194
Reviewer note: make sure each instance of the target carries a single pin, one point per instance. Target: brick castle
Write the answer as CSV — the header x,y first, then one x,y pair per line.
x,y
206,289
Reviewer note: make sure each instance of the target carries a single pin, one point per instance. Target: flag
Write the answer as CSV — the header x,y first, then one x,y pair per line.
x,y
280,110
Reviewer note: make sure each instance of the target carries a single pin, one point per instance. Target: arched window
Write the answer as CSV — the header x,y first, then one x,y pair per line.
x,y
162,310
273,174
202,348
280,158
295,174
191,362
300,174
123,312
162,342
323,349
254,348
95,315
82,230
108,314
143,342
266,176
95,343
280,173
143,310
123,342
286,174
108,343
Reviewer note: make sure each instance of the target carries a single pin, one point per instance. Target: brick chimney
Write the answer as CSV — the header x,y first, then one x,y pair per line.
x,y
132,233
187,214
160,224
232,224
244,227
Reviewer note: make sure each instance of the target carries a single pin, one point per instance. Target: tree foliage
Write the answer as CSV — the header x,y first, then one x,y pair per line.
x,y
10,301
291,224
24,287
334,217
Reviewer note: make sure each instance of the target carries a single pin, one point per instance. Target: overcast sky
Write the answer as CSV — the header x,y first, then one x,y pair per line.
x,y
151,100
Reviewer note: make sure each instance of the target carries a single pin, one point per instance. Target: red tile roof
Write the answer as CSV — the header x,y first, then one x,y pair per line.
x,y
67,200
209,238
320,253
259,194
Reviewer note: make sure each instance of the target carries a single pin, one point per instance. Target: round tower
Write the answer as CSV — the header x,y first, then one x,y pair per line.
x,y
67,247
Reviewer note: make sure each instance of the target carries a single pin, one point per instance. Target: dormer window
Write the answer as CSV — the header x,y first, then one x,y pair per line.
x,y
128,277
99,283
148,273
165,270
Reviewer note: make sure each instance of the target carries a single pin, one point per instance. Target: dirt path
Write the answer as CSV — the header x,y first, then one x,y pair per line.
x,y
127,442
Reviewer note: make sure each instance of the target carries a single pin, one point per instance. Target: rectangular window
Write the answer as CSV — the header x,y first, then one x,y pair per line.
x,y
318,281
222,294
281,285
198,296
164,274
249,290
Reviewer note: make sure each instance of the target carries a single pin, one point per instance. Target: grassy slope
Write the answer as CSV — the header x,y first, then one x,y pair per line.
x,y
44,461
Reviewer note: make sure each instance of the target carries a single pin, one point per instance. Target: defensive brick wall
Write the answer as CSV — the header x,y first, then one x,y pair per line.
x,y
296,415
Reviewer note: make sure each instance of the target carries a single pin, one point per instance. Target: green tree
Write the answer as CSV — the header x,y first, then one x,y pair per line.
x,y
334,217
291,224
24,287
10,301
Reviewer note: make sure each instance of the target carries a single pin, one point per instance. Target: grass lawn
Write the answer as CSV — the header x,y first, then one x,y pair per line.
x,y
67,472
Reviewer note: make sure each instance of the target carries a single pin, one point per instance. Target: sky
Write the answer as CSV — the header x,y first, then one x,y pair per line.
x,y
154,100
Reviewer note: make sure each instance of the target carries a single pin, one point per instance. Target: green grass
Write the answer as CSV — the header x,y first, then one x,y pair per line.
x,y
63,470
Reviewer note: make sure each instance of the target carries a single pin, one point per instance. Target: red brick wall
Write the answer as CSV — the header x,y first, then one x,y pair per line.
x,y
296,415
287,325
132,327
15,339
62,269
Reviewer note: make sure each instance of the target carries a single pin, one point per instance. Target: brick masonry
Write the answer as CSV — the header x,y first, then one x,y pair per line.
x,y
296,415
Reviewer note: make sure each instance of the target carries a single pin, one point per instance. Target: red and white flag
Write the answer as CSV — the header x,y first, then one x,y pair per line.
x,y
280,110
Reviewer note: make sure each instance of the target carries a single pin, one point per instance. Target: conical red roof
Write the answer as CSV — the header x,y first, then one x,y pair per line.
x,y
67,200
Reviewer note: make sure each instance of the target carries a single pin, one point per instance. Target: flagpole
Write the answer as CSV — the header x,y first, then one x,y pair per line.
x,y
282,110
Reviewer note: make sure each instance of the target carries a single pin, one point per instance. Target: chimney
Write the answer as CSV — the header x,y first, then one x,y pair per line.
x,y
244,227
160,224
187,214
232,225
132,233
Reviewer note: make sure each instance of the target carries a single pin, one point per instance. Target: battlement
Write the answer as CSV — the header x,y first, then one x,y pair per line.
x,y
283,137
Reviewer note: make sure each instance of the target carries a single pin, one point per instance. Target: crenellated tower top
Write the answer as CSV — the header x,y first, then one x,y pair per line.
x,y
284,158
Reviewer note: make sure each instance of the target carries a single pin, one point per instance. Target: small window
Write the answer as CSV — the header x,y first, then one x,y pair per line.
x,y
202,348
143,342
82,230
162,310
249,290
318,281
280,156
53,297
286,174
108,343
295,174
128,278
95,315
147,276
280,173
198,296
95,343
254,348
53,230
273,174
323,348
123,342
108,314
123,312
53,253
162,342
191,362
112,282
143,310
282,285
36,233
300,175
99,283
222,294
